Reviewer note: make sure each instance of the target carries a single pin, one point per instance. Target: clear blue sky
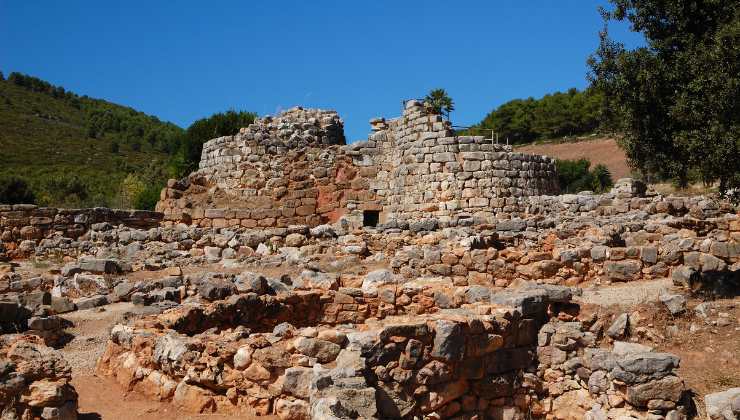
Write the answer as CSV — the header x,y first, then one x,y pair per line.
x,y
183,60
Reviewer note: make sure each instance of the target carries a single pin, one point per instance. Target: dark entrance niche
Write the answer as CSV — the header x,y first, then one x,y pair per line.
x,y
370,218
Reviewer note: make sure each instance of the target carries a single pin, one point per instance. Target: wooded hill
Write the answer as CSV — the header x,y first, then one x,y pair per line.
x,y
555,115
75,151
61,149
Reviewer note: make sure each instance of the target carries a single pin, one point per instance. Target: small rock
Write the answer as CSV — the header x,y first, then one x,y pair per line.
x,y
323,351
91,302
618,329
675,303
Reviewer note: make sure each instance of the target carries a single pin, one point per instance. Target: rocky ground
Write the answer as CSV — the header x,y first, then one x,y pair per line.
x,y
615,307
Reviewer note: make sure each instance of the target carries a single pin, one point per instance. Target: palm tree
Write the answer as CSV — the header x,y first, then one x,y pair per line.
x,y
440,102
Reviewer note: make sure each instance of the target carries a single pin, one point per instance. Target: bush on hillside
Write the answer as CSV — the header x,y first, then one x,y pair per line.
x,y
14,190
103,118
574,176
71,191
147,199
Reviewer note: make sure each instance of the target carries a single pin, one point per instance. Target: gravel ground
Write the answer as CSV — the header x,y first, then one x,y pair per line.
x,y
90,331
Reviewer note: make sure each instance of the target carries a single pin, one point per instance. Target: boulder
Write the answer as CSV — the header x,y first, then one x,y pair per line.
x,y
641,367
684,276
622,270
669,388
123,290
91,302
251,282
101,266
295,240
310,279
212,253
243,357
61,305
216,289
292,409
377,278
323,351
723,405
297,381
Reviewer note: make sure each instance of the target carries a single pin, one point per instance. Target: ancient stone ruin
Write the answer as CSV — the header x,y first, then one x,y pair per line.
x,y
417,275
296,169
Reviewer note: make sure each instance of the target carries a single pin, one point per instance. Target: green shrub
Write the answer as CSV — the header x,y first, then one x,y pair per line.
x,y
602,178
574,176
14,190
147,199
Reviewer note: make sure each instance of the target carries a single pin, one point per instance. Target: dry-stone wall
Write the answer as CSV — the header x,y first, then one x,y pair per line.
x,y
23,226
403,320
279,171
434,173
294,169
241,352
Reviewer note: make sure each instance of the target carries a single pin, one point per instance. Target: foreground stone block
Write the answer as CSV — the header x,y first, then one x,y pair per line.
x,y
723,405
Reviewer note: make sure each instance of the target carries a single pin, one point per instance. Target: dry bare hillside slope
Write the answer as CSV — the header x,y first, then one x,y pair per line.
x,y
602,150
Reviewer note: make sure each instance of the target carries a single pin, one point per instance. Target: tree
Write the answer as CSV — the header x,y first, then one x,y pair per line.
x,y
114,147
440,102
228,123
147,199
14,190
554,115
678,98
573,175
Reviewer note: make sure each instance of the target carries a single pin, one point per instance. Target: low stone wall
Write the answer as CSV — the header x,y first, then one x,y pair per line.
x,y
394,352
471,360
567,239
22,226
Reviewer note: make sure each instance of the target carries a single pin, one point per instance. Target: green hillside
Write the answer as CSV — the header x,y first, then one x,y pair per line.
x,y
76,151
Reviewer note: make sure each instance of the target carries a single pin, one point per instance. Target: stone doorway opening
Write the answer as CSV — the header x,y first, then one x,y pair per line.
x,y
370,218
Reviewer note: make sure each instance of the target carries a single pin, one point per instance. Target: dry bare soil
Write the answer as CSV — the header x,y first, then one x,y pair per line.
x,y
599,150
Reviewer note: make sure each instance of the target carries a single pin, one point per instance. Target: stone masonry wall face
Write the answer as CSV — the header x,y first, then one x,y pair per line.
x,y
275,173
438,174
294,169
26,222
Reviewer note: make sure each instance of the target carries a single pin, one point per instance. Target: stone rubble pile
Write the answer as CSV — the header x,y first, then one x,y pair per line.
x,y
579,238
34,381
588,381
